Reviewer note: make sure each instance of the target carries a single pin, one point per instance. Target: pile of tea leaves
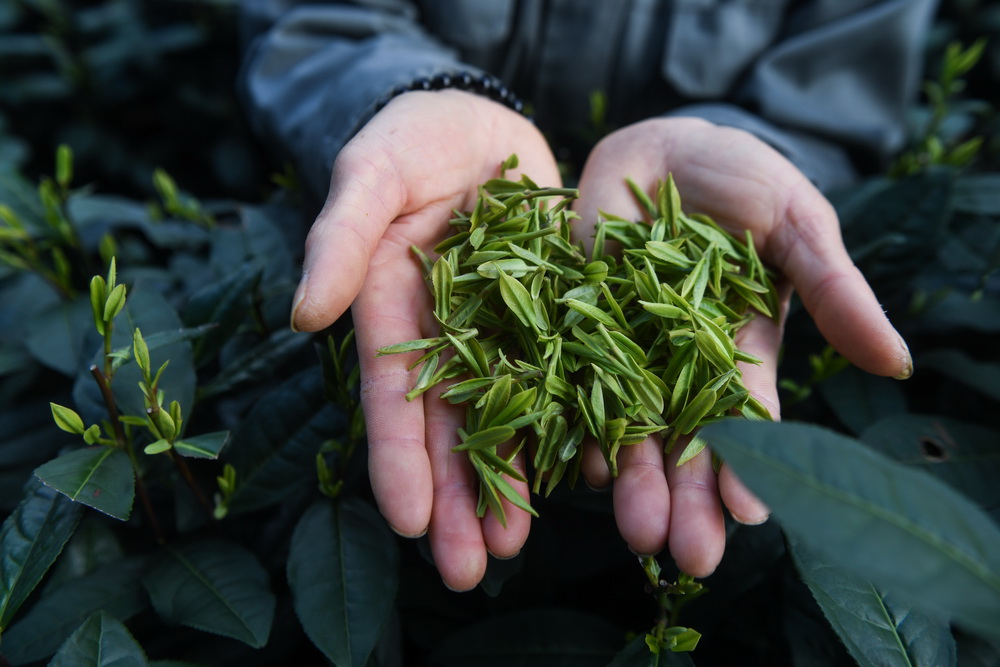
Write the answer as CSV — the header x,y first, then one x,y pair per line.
x,y
546,343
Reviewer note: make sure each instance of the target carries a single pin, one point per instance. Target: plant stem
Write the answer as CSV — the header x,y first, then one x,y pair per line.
x,y
185,471
123,442
109,402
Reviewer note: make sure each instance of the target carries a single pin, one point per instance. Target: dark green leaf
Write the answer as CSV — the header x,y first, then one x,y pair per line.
x,y
963,455
912,212
205,446
58,335
31,538
545,638
259,362
224,303
342,570
257,240
978,193
100,477
114,588
957,310
877,629
275,447
956,364
860,399
902,529
102,641
214,586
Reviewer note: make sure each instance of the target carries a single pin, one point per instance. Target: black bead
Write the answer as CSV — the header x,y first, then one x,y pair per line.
x,y
484,85
441,81
423,83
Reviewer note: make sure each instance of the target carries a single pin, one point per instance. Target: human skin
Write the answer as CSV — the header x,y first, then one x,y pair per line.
x,y
395,184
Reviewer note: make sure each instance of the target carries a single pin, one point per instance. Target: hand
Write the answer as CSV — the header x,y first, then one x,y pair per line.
x,y
742,183
394,186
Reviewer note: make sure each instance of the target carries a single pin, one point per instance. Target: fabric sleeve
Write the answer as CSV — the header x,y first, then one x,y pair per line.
x,y
313,73
831,92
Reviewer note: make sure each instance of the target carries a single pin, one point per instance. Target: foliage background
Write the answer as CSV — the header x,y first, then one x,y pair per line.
x,y
135,86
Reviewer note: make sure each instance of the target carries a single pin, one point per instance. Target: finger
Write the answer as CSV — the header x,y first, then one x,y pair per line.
x,y
366,195
506,542
398,462
456,534
761,338
602,191
697,535
642,497
593,466
833,290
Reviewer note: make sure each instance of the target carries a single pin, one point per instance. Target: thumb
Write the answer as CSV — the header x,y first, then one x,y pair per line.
x,y
835,292
366,195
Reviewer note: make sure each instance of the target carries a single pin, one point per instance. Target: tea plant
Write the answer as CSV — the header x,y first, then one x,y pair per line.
x,y
169,542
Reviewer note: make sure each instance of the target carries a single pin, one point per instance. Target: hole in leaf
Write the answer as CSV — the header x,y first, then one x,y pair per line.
x,y
933,450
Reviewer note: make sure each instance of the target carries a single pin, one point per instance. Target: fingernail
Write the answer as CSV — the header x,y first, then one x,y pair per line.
x,y
511,557
908,369
637,554
456,590
409,536
300,295
752,522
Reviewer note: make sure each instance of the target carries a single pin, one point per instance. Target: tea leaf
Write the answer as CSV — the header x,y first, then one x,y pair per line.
x,y
591,312
409,346
692,450
933,546
31,538
486,438
511,494
667,252
207,446
100,477
214,586
67,419
663,310
516,296
342,571
102,641
873,625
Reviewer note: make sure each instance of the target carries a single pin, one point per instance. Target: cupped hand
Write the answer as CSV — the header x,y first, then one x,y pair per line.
x,y
394,186
742,183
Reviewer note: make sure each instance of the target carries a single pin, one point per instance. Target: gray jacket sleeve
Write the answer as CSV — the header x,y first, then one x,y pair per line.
x,y
826,82
313,73
830,91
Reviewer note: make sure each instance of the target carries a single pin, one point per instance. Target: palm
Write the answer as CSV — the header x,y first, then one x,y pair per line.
x,y
393,187
745,185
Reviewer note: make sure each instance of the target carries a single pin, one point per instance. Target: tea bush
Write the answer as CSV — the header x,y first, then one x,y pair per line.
x,y
183,479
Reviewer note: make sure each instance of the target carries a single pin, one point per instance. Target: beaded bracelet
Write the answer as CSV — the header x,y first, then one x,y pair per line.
x,y
482,84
